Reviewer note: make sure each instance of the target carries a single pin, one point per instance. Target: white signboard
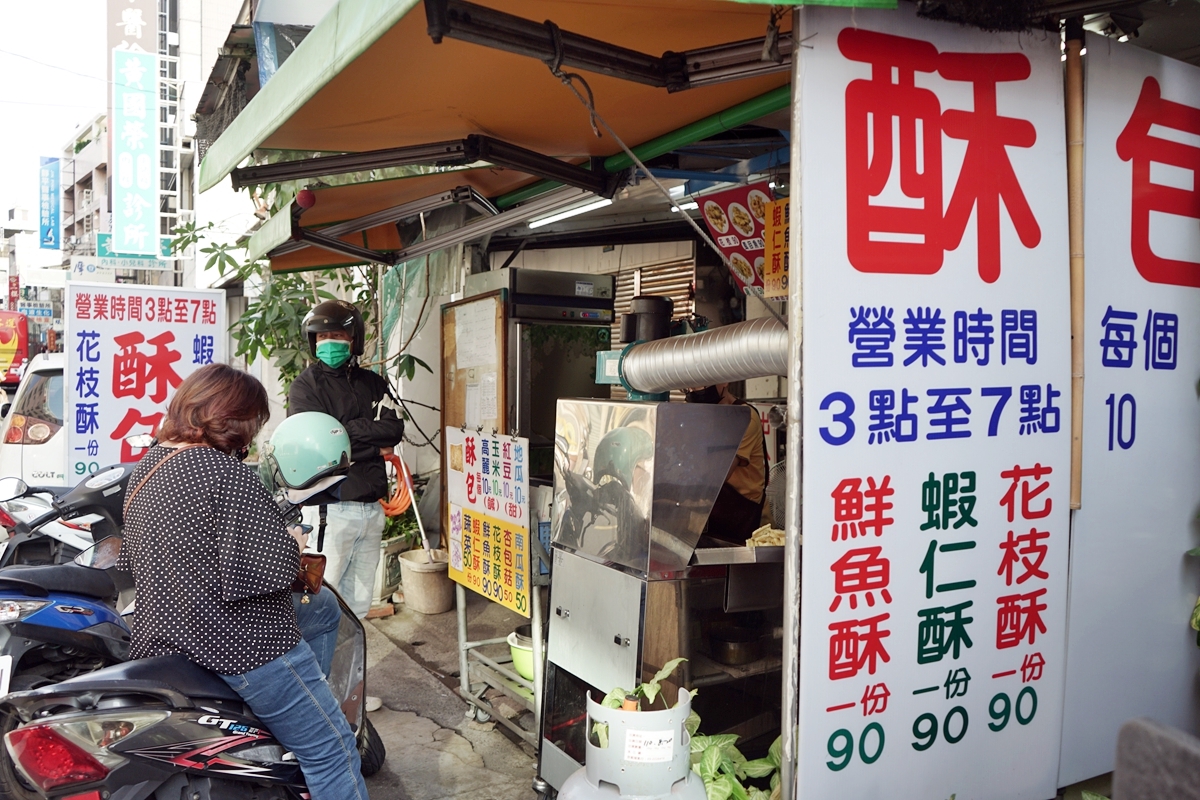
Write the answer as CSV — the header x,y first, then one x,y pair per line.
x,y
936,409
128,348
1130,652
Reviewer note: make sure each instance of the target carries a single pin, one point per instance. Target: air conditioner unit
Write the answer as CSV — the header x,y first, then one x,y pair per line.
x,y
87,197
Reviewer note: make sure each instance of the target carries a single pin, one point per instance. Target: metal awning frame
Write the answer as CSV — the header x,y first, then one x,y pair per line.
x,y
464,195
475,229
545,41
472,149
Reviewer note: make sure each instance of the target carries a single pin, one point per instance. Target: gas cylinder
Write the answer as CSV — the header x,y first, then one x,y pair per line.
x,y
647,757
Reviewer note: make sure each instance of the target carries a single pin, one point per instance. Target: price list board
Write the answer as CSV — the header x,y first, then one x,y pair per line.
x,y
488,492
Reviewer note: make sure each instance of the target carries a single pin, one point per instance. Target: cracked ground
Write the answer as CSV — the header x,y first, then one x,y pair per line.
x,y
434,751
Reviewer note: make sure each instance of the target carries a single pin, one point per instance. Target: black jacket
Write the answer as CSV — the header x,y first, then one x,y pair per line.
x,y
352,395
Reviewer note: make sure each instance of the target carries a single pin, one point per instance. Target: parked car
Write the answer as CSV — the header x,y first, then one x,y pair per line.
x,y
34,445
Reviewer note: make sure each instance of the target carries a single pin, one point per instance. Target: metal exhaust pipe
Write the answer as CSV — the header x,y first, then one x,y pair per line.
x,y
730,353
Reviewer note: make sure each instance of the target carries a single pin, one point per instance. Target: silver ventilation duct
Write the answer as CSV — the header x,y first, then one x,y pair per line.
x,y
736,352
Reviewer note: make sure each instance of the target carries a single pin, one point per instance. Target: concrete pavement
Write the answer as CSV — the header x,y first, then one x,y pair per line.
x,y
434,751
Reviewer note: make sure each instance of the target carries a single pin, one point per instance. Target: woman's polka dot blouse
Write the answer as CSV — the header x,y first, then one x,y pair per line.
x,y
212,562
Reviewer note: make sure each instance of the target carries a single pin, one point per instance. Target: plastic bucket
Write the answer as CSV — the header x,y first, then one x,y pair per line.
x,y
427,587
522,656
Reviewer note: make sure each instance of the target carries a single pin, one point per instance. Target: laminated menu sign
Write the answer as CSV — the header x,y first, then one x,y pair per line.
x,y
737,219
488,492
936,409
778,249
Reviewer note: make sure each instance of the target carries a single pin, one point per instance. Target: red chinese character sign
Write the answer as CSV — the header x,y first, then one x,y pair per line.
x,y
488,491
128,348
937,375
737,219
1141,423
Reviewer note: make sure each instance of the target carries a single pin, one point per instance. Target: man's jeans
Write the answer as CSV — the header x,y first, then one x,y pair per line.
x,y
293,701
353,532
319,619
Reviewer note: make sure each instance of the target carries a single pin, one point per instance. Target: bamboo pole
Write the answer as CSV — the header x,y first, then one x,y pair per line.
x,y
790,713
1074,91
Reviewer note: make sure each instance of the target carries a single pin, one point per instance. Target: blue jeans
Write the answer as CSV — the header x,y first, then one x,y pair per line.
x,y
353,532
319,619
290,696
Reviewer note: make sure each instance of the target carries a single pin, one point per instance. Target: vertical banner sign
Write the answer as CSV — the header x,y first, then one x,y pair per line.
x,y
14,292
778,252
128,348
1130,652
134,138
488,490
737,220
49,205
936,409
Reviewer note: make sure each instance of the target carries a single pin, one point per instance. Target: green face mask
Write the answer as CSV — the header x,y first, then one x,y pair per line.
x,y
333,353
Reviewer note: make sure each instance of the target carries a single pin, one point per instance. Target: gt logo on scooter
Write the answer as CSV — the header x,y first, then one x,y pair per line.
x,y
226,724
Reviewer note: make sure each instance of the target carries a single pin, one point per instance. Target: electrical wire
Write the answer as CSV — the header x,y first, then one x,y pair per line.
x,y
568,79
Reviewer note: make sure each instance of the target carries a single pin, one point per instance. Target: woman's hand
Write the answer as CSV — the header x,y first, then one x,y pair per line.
x,y
299,535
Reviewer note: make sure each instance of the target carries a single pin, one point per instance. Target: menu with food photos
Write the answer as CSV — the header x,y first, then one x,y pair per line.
x,y
737,219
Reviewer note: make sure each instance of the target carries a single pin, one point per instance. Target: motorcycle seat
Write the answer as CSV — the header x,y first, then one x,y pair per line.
x,y
175,671
39,581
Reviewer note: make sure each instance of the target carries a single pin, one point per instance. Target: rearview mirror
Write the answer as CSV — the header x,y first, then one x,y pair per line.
x,y
12,487
4,409
102,555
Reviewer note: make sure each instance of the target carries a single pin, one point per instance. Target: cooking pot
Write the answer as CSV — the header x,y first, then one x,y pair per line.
x,y
735,646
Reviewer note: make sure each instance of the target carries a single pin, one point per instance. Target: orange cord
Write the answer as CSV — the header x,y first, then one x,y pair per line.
x,y
401,498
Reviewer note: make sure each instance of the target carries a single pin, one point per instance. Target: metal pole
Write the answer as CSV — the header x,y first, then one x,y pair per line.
x,y
535,625
464,678
791,554
1074,81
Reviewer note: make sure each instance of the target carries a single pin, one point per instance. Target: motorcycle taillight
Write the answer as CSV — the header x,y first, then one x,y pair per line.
x,y
6,519
49,760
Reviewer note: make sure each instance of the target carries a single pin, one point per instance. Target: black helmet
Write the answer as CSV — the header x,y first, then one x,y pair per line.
x,y
335,315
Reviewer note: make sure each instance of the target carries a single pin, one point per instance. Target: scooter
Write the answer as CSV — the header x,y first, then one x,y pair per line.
x,y
43,531
60,620
165,728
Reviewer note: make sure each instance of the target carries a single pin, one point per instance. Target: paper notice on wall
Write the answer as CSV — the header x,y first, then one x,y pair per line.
x,y
475,334
487,399
471,417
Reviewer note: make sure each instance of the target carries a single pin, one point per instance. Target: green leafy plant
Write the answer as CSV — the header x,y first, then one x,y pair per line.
x,y
724,770
273,323
1086,795
1195,551
716,759
651,690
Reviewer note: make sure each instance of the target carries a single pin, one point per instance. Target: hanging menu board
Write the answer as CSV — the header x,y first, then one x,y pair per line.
x,y
488,491
936,409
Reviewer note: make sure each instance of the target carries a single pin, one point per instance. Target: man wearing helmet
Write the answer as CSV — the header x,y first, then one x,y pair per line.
x,y
349,529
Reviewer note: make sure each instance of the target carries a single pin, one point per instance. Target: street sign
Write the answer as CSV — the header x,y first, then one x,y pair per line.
x,y
134,142
107,258
936,374
128,348
488,490
49,205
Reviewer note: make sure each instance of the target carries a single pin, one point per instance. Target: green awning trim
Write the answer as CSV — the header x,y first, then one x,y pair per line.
x,y
711,125
274,232
341,36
